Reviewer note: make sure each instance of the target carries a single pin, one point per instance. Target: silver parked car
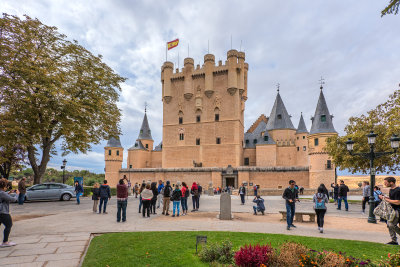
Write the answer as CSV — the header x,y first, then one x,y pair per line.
x,y
50,191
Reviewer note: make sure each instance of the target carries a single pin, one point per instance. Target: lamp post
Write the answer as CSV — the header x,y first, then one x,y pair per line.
x,y
372,155
63,168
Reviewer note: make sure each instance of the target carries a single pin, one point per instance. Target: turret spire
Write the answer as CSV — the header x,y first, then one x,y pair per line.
x,y
322,120
113,142
279,118
302,126
145,132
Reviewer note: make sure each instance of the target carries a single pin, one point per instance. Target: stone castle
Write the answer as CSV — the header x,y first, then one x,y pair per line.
x,y
203,138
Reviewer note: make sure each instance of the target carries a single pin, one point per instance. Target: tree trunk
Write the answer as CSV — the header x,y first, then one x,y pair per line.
x,y
39,170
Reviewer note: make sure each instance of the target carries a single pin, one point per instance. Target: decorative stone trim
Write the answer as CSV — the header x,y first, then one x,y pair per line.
x,y
167,99
209,93
232,90
216,169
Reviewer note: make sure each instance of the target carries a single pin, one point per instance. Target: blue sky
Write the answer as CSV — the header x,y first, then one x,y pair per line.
x,y
292,42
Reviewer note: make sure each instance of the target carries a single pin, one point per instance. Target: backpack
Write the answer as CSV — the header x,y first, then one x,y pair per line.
x,y
187,192
167,191
385,211
320,203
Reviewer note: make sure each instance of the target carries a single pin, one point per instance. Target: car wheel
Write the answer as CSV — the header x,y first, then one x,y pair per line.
x,y
66,197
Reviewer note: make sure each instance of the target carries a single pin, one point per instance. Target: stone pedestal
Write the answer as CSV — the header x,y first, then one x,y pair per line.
x,y
211,191
225,207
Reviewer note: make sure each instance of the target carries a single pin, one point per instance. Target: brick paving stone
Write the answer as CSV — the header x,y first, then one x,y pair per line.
x,y
78,238
71,249
63,263
30,246
30,264
17,260
55,257
66,244
54,238
4,252
27,252
25,240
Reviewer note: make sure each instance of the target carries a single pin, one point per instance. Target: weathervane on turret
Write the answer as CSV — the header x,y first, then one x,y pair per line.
x,y
278,85
321,82
145,107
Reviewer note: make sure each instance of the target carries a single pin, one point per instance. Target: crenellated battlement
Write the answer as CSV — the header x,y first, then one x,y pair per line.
x,y
235,68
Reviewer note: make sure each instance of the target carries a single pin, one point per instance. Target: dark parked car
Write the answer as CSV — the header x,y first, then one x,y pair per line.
x,y
50,191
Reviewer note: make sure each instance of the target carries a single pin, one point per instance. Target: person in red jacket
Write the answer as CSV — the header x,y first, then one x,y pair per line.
x,y
122,200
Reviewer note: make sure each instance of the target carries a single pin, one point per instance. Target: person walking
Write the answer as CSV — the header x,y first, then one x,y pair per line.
x,y
255,190
195,196
166,198
320,200
136,190
176,200
143,187
95,196
122,200
335,192
160,195
185,195
5,217
343,189
366,194
326,192
146,195
105,195
394,200
78,192
22,191
260,207
154,198
200,188
291,195
242,193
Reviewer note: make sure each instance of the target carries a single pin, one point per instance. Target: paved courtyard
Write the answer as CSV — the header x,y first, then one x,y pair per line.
x,y
58,233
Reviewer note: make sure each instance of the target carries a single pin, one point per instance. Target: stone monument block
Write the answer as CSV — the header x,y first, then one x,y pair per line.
x,y
225,207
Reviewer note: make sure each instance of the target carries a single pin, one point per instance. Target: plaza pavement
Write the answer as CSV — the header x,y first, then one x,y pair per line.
x,y
58,233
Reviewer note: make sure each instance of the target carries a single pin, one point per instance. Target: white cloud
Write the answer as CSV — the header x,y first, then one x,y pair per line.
x,y
290,42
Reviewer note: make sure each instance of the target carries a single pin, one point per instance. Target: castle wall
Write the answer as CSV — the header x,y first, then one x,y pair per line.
x,y
156,159
265,177
286,156
251,154
113,163
139,158
266,155
302,152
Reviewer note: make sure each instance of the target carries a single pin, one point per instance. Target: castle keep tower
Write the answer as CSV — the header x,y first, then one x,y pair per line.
x,y
203,110
113,155
322,169
302,143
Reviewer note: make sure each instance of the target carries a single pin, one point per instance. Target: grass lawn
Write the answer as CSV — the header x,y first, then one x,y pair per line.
x,y
179,248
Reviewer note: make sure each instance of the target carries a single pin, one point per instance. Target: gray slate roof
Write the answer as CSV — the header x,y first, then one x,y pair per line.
x,y
159,147
256,134
145,132
113,142
302,126
138,145
279,118
322,120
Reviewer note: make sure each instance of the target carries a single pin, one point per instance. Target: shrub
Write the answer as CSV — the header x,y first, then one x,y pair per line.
x,y
221,253
330,259
392,260
289,254
249,256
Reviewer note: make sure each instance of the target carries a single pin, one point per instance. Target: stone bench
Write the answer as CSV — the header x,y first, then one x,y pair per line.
x,y
298,215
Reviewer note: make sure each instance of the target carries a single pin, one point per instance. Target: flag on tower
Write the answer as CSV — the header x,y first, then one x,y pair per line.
x,y
172,44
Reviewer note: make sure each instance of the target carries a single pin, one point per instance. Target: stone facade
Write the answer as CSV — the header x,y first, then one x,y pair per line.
x,y
204,139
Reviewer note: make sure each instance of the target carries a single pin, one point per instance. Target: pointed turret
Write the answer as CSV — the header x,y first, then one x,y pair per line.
x,y
145,132
279,118
113,142
302,126
322,120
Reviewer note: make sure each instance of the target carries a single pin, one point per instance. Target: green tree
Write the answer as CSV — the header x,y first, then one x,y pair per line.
x,y
54,90
384,120
392,8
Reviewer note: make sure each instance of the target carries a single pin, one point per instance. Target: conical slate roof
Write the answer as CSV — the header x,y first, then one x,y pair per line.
x,y
256,134
145,132
138,145
322,120
113,142
159,147
279,118
302,126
